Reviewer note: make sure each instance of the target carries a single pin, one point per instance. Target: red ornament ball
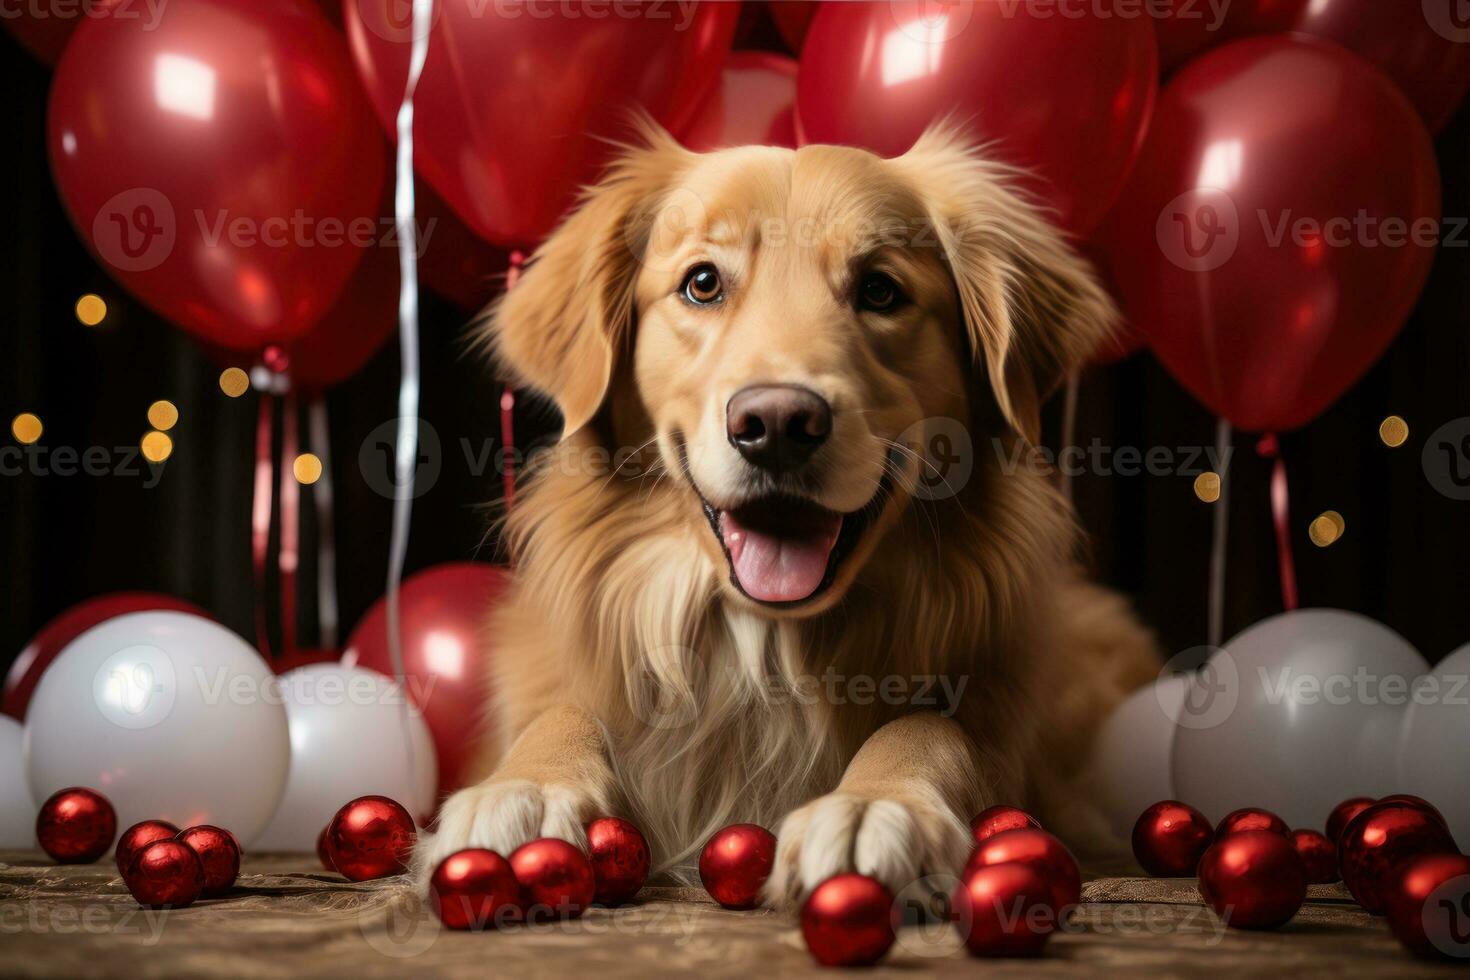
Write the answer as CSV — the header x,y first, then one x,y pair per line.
x,y
322,854
998,819
1004,910
556,879
371,837
475,889
1344,812
1409,799
848,921
76,825
218,852
1253,879
141,834
735,864
1379,840
619,857
1251,818
1042,853
1170,837
165,874
1428,903
1318,854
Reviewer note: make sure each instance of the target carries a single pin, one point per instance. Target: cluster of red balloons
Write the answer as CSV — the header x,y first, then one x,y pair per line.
x,y
1396,856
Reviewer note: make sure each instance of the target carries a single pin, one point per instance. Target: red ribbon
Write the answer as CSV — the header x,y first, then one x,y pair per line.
x,y
260,518
289,558
1270,448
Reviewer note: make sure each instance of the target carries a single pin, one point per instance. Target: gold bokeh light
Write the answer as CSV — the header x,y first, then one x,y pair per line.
x,y
157,447
1394,431
234,382
1207,486
162,415
308,468
1326,528
91,310
26,428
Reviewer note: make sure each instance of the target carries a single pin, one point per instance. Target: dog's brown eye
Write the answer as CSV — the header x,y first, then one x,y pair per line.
x,y
878,293
702,285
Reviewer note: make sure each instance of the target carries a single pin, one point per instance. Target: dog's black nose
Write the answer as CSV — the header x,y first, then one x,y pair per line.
x,y
777,427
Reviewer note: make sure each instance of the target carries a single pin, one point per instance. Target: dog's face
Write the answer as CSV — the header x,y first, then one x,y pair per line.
x,y
785,326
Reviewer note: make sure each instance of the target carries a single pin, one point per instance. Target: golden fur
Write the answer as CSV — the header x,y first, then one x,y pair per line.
x,y
631,677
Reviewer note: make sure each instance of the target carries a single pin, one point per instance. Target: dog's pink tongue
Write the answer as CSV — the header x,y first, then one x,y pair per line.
x,y
783,567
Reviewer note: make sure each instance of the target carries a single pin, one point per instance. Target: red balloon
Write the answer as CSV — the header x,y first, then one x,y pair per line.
x,y
620,859
1380,840
1264,288
1170,837
76,825
1253,879
755,102
556,879
474,889
219,853
457,264
25,672
1428,903
219,165
998,819
140,834
735,864
1041,852
1409,799
1190,29
1344,812
1318,854
876,74
371,837
1004,910
848,921
322,853
446,662
41,29
165,874
1251,818
793,19
510,105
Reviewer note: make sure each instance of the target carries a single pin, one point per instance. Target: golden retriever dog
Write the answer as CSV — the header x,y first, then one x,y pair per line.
x,y
749,587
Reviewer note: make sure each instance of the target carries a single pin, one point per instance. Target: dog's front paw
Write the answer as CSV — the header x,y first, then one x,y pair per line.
x,y
894,842
502,815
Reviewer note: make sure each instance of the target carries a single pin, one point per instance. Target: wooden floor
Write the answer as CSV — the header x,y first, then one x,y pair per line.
x,y
286,917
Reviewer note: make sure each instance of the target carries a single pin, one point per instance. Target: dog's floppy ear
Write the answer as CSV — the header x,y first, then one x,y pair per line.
x,y
562,327
1033,310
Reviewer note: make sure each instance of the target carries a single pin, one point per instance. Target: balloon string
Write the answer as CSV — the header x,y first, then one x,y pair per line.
x,y
1270,448
1069,431
260,518
1218,540
508,403
406,460
289,557
321,496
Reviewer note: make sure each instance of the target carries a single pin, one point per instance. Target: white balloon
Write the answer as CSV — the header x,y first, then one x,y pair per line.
x,y
1436,734
1131,768
348,740
1297,713
168,715
17,811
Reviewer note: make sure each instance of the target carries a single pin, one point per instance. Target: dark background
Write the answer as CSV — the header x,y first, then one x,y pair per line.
x,y
69,538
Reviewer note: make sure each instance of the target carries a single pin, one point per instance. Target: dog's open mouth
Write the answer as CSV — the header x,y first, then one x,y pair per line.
x,y
784,549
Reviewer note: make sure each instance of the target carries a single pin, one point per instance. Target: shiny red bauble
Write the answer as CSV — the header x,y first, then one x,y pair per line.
x,y
1251,818
218,852
1004,910
1318,854
1409,799
1344,812
848,921
165,874
371,837
620,859
1379,840
735,864
1042,853
1170,837
475,889
76,825
1429,905
322,854
1253,879
556,879
998,819
141,834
